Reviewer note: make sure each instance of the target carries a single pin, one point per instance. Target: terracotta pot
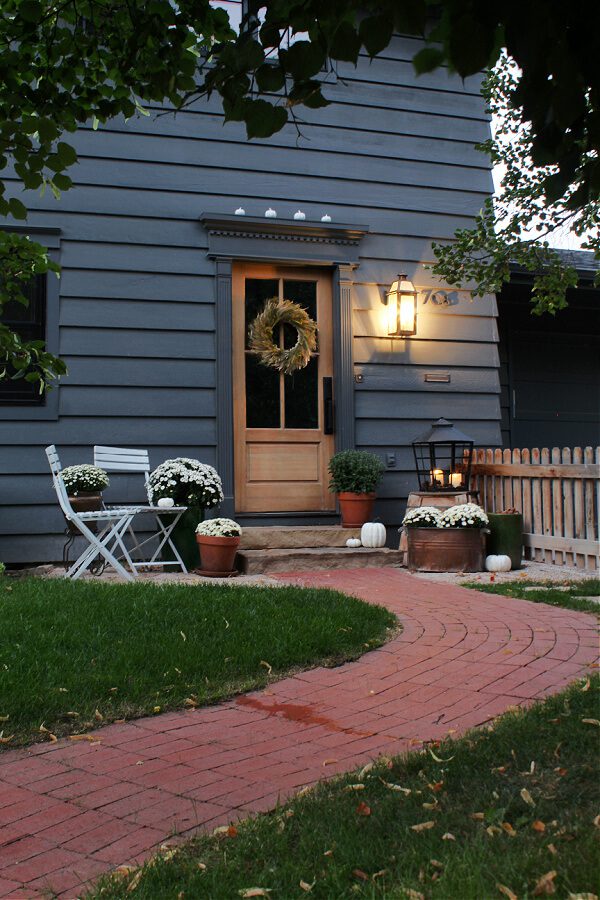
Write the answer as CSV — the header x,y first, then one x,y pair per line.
x,y
446,549
85,501
217,554
356,509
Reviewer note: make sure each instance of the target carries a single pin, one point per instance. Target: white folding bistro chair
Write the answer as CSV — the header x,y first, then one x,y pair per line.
x,y
113,523
127,460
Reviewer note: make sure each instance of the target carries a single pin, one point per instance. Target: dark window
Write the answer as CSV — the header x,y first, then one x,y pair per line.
x,y
30,323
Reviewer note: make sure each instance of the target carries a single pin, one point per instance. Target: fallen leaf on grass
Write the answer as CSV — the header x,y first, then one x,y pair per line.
x,y
123,871
395,787
364,771
430,805
201,866
423,826
478,816
379,874
363,809
254,892
156,709
229,830
560,771
538,825
552,849
98,716
436,787
4,718
597,821
591,722
545,884
190,703
306,886
135,881
526,796
72,714
582,896
7,739
413,895
493,830
354,787
506,891
437,758
358,873
586,685
267,666
328,853
507,827
448,836
183,635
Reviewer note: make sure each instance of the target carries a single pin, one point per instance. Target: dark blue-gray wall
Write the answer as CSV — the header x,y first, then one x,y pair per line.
x,y
137,292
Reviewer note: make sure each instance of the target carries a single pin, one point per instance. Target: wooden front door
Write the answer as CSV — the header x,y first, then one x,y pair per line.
x,y
283,423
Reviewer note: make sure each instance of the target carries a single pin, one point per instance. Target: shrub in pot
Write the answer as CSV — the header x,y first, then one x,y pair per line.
x,y
192,484
218,541
355,474
84,484
452,540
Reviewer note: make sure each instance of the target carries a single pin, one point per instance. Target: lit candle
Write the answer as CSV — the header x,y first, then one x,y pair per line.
x,y
456,479
437,476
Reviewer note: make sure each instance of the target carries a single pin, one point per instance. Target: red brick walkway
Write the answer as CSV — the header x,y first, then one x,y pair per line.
x,y
71,811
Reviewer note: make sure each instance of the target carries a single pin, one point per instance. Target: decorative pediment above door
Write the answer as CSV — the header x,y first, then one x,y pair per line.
x,y
286,240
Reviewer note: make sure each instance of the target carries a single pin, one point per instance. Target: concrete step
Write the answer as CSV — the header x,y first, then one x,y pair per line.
x,y
286,537
264,562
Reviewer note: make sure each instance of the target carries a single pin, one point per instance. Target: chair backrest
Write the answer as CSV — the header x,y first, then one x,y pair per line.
x,y
57,479
122,459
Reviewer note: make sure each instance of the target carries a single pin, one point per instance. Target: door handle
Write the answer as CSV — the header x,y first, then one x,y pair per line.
x,y
328,406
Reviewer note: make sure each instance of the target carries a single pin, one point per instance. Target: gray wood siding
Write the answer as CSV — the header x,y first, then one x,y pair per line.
x,y
137,292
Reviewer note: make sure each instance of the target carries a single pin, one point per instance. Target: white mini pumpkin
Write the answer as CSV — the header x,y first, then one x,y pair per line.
x,y
372,534
498,563
353,542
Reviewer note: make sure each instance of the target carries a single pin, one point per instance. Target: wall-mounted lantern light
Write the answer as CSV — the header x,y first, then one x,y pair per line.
x,y
402,307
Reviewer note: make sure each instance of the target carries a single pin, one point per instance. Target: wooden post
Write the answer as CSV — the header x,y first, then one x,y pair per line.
x,y
538,522
526,508
579,524
567,499
557,508
546,505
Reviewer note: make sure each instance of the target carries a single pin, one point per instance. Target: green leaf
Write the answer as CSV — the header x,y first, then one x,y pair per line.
x,y
263,119
269,78
346,43
427,59
303,60
17,209
30,10
376,33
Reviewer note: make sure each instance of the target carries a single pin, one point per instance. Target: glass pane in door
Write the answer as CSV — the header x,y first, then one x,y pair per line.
x,y
302,397
304,293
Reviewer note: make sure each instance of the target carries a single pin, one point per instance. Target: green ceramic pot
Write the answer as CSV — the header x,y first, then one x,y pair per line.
x,y
184,537
506,536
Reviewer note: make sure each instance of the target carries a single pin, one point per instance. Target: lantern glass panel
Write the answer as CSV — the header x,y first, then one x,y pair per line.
x,y
443,459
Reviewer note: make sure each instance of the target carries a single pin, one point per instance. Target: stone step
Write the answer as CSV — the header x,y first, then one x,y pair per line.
x,y
286,537
264,562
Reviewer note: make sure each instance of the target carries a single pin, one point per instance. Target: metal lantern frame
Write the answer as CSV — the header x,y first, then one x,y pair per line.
x,y
402,299
443,458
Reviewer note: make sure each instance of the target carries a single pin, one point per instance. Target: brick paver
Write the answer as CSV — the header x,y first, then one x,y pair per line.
x,y
69,812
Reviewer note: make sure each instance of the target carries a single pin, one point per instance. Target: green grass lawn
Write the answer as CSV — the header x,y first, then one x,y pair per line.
x,y
548,592
76,655
509,811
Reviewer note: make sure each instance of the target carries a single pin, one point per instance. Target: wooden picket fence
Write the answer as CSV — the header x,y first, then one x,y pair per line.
x,y
558,492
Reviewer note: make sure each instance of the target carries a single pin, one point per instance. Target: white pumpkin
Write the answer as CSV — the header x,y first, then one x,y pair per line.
x,y
498,563
353,542
372,534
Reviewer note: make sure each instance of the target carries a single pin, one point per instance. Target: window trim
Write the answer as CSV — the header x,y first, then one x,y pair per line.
x,y
50,238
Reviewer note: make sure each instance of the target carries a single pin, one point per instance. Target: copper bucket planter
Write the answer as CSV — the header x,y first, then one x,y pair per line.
x,y
446,549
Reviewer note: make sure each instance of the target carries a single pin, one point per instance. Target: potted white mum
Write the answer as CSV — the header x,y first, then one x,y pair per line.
x,y
84,484
451,540
218,541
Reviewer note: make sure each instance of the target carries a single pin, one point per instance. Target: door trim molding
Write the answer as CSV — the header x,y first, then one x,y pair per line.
x,y
281,242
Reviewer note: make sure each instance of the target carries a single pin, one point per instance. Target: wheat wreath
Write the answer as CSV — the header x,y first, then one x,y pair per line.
x,y
260,334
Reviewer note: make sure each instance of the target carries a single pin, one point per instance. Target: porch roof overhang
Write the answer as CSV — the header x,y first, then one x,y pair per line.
x,y
289,240
584,262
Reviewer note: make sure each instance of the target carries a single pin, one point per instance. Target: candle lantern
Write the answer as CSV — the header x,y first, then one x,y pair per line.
x,y
443,458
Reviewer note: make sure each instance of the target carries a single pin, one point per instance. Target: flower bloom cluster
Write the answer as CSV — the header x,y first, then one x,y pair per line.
x,y
423,517
219,528
466,515
188,481
84,478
